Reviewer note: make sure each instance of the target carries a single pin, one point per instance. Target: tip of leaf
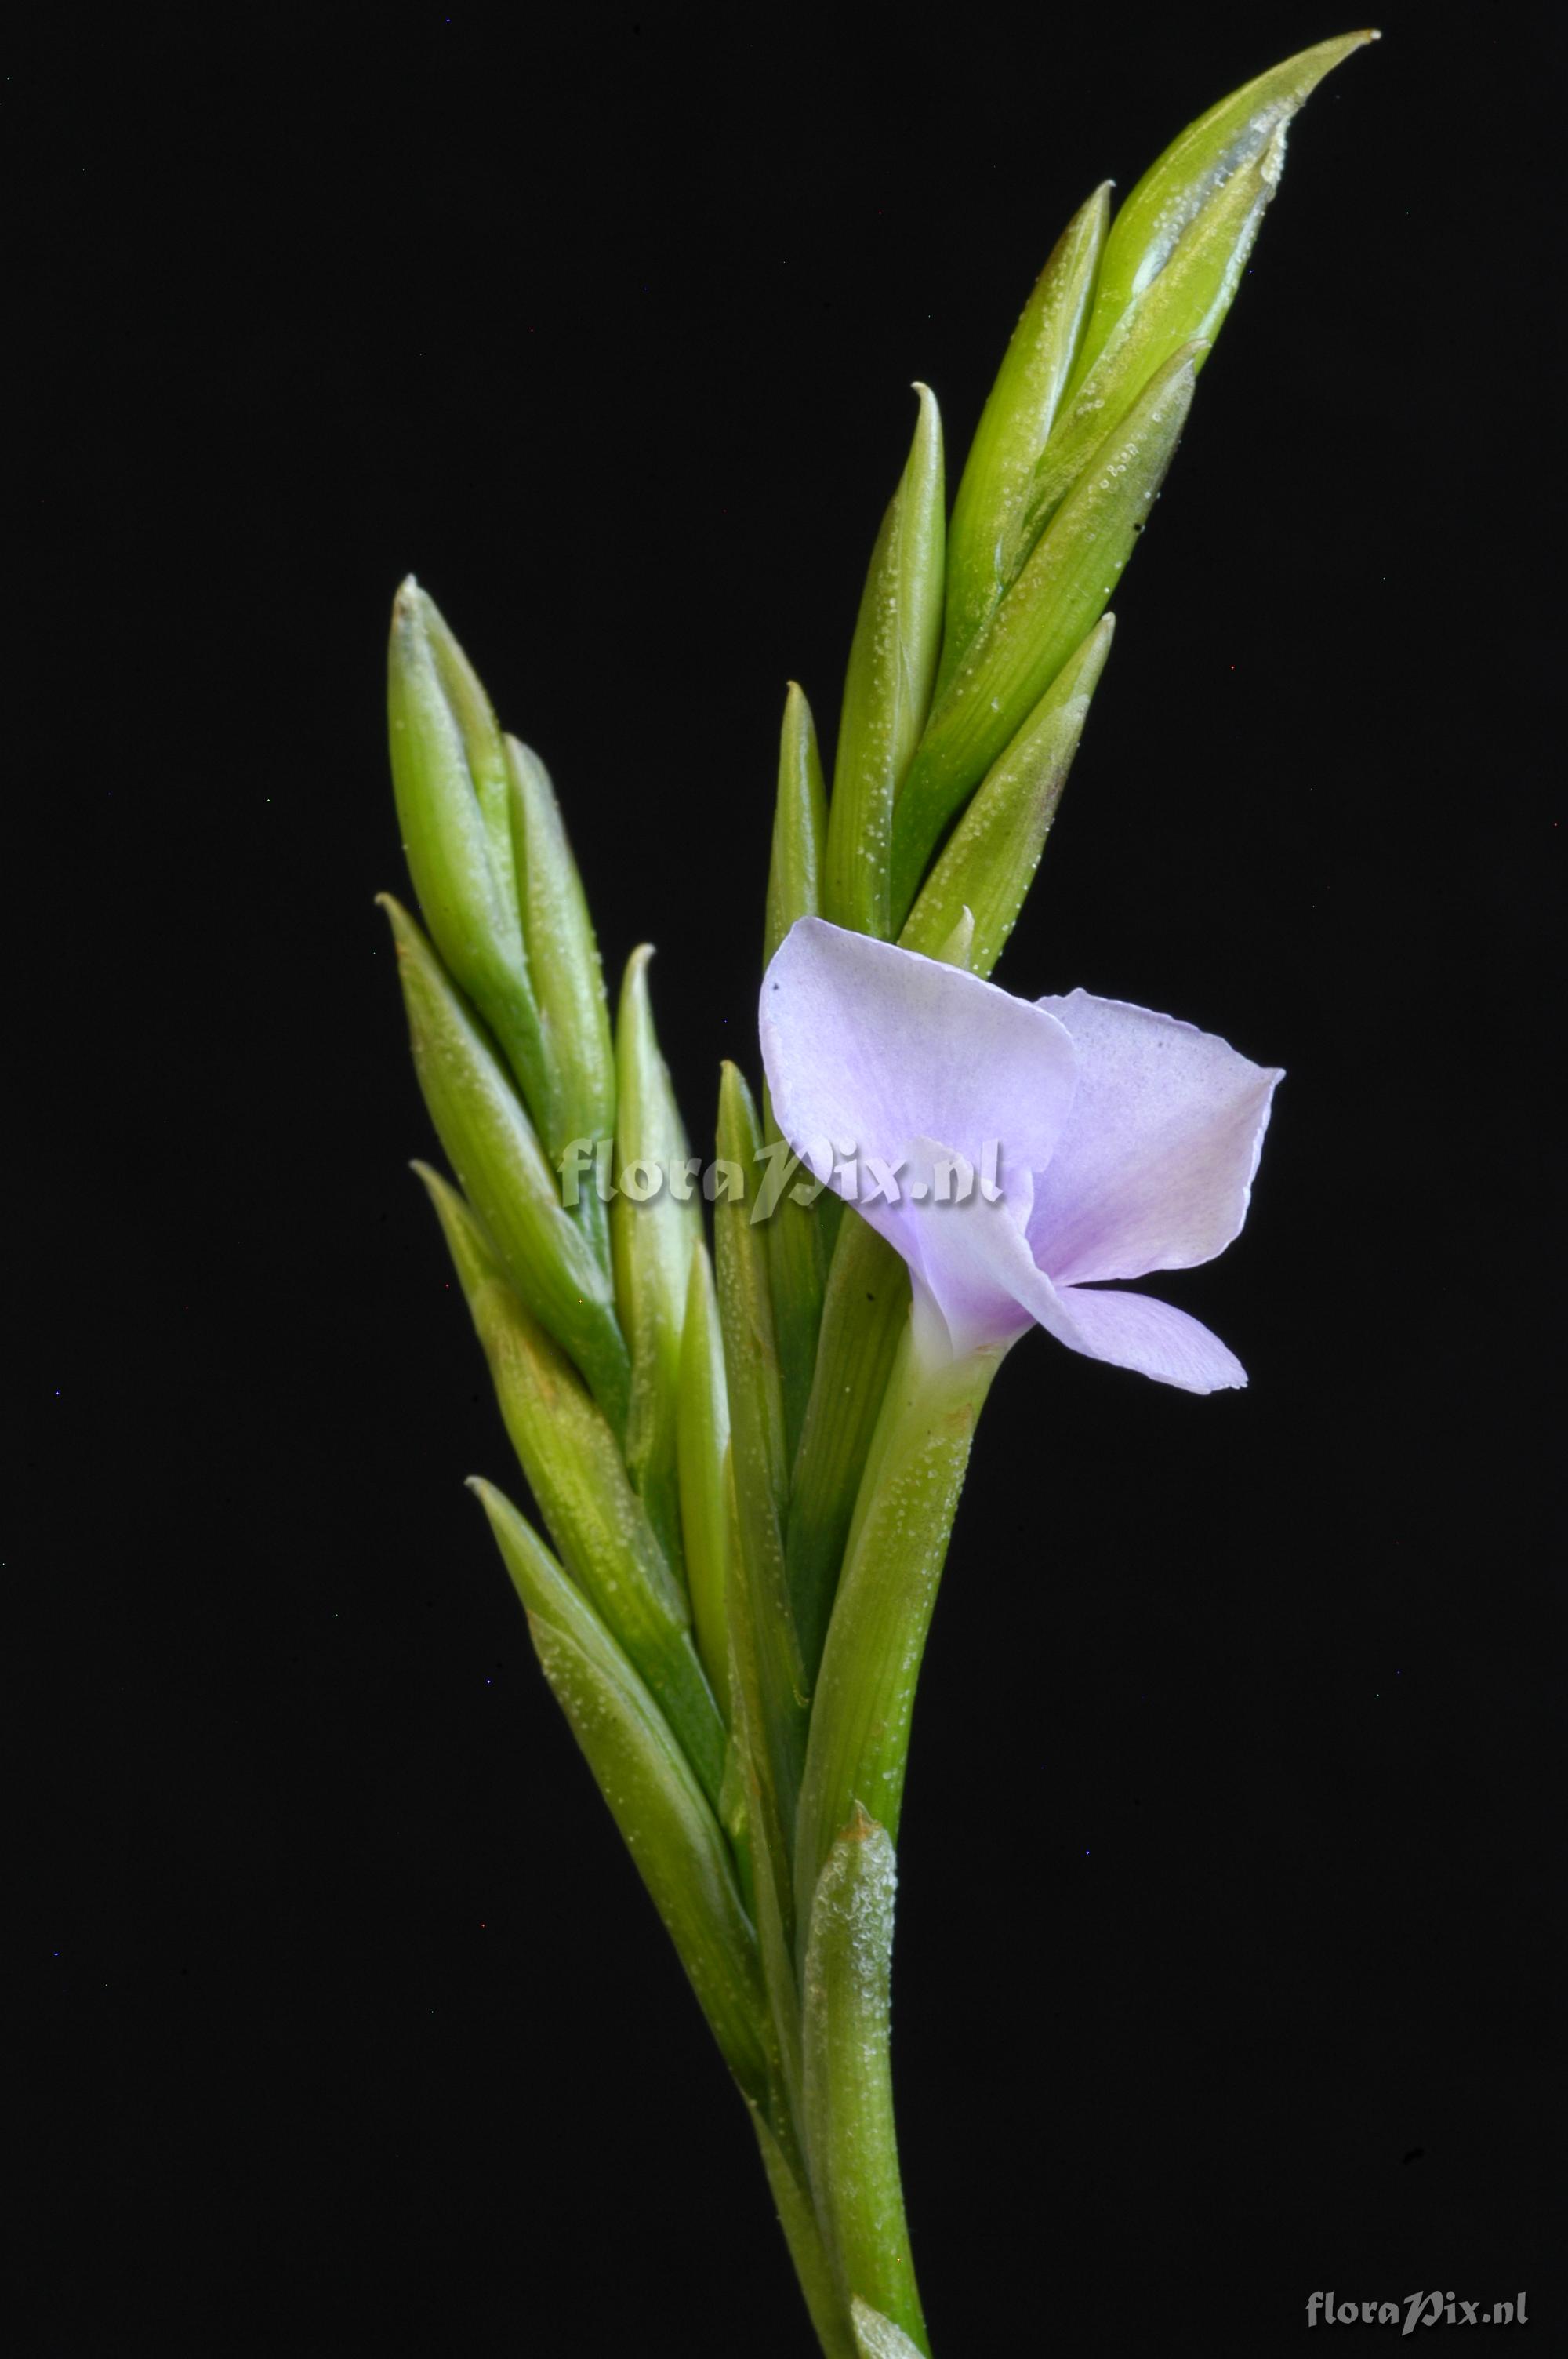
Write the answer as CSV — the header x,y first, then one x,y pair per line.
x,y
434,1187
404,934
408,606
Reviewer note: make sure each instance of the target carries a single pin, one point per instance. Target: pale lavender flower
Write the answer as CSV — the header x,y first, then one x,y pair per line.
x,y
1128,1143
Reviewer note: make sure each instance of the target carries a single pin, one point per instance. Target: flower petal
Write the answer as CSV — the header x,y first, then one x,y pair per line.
x,y
1135,1331
874,1047
1155,1170
969,1257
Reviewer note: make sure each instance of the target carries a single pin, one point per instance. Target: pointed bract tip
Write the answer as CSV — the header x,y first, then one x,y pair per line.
x,y
404,933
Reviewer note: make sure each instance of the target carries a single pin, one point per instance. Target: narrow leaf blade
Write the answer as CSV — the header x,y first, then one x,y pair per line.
x,y
450,779
492,1149
758,1464
665,1820
703,1443
991,858
1172,193
653,1237
1050,610
574,1470
800,826
563,956
887,689
983,550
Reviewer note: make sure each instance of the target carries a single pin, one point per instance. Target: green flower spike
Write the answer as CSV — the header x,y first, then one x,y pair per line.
x,y
745,1470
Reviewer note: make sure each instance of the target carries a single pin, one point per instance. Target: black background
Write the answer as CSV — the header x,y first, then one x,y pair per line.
x,y
1223,1955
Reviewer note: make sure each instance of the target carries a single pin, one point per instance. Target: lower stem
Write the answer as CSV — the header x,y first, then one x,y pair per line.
x,y
797,2218
849,1809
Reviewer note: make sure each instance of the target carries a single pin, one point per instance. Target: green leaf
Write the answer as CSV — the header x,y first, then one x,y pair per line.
x,y
892,1564
865,1310
958,945
798,1244
768,1781
1174,259
849,2115
450,781
797,1235
492,1149
654,1241
669,1828
597,1521
877,2337
1172,203
702,1445
800,826
1044,617
563,957
757,1455
985,549
745,1304
797,2218
991,855
887,689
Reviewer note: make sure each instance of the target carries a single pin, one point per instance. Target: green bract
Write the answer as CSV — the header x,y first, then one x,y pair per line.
x,y
887,690
655,1226
747,1465
491,1145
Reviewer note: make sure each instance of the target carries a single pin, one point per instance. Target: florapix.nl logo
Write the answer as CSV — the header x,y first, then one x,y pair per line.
x,y
922,1175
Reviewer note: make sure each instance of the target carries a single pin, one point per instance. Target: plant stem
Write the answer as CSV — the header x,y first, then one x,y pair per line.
x,y
898,1543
